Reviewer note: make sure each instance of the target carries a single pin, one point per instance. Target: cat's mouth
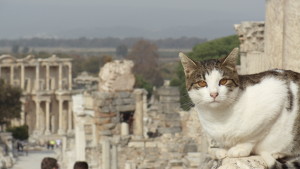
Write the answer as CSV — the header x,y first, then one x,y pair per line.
x,y
214,101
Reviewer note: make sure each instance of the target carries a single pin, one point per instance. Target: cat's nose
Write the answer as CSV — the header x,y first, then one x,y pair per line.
x,y
214,95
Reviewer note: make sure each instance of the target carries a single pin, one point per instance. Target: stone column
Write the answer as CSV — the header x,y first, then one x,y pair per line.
x,y
47,77
70,76
274,34
12,75
22,76
128,165
106,154
80,140
37,119
60,117
138,114
114,157
22,112
60,77
37,77
291,35
47,131
124,129
70,117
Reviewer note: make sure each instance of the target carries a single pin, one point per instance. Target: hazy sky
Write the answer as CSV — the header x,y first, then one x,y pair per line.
x,y
123,18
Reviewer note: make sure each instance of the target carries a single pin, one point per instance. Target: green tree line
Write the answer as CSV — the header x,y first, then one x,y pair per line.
x,y
110,42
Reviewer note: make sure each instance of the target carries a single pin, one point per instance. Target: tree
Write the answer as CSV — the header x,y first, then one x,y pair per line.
x,y
20,132
211,49
10,104
122,50
25,50
145,57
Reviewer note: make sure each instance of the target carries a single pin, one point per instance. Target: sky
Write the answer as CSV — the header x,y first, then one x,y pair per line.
x,y
125,18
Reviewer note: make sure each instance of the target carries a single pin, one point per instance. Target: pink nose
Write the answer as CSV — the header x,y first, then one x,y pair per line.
x,y
214,95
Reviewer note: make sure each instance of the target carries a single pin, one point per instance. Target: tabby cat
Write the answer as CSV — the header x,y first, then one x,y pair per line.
x,y
255,114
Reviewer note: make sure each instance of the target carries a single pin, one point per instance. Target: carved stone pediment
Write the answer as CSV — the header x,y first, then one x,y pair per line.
x,y
7,59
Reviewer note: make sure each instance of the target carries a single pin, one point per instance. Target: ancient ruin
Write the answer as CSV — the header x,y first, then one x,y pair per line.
x,y
112,125
47,90
273,43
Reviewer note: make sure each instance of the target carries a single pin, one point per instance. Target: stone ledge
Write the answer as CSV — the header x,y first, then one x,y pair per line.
x,y
253,162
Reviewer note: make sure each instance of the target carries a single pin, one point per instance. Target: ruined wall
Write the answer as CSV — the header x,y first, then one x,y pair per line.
x,y
251,36
274,44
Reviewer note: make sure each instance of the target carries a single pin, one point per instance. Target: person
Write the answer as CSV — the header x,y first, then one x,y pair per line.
x,y
49,163
81,165
52,143
19,146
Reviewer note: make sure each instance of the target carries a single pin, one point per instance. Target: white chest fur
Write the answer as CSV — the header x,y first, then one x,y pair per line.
x,y
251,117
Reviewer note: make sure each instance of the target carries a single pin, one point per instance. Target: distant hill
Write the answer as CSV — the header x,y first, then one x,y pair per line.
x,y
183,42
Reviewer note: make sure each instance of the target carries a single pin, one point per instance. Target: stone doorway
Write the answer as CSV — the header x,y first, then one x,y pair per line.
x,y
127,117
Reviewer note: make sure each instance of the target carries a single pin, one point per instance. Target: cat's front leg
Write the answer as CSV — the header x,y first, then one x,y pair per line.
x,y
217,153
240,150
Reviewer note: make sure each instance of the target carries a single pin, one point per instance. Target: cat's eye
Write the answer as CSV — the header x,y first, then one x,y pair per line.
x,y
202,83
223,81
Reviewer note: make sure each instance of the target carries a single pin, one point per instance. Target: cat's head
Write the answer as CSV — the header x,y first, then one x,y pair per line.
x,y
213,83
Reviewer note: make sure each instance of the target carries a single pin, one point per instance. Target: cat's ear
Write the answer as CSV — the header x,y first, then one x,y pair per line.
x,y
230,60
188,64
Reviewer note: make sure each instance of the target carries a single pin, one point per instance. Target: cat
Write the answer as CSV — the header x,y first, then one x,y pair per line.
x,y
255,114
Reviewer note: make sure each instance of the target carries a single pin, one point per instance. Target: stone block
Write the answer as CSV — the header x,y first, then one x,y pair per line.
x,y
105,109
126,108
124,94
116,76
102,95
109,126
128,101
115,120
194,154
169,99
105,133
118,101
104,120
170,107
172,123
150,144
99,103
192,162
172,116
169,130
136,144
103,115
190,148
168,91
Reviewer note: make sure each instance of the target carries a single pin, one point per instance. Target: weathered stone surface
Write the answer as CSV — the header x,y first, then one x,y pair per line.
x,y
251,36
109,125
172,116
126,107
116,76
137,144
168,91
169,99
253,162
105,133
169,130
125,94
128,101
190,148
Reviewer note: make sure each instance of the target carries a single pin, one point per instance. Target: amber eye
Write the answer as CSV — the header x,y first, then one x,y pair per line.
x,y
223,82
202,83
